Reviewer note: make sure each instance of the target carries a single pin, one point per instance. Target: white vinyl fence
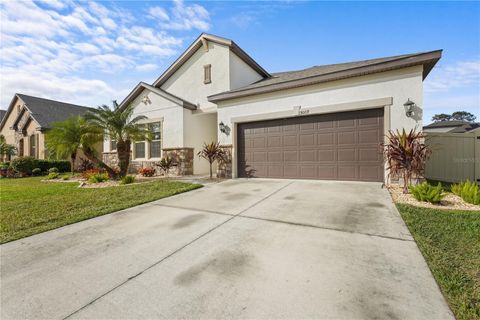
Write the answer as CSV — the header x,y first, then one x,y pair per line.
x,y
455,156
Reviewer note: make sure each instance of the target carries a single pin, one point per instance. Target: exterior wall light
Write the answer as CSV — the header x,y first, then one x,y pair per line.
x,y
224,128
409,105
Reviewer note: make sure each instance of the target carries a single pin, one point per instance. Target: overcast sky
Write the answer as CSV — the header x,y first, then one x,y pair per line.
x,y
90,53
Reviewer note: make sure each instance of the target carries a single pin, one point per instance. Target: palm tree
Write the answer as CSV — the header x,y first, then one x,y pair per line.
x,y
212,152
67,137
6,149
122,127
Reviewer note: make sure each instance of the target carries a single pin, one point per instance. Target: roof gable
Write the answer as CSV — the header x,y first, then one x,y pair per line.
x,y
167,95
45,111
197,44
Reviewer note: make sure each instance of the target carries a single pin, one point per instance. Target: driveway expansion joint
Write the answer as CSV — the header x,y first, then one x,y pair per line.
x,y
175,251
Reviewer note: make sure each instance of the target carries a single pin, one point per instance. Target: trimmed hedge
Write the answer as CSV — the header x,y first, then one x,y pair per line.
x,y
27,164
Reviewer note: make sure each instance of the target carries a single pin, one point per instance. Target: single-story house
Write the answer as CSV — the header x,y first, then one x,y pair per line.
x,y
453,126
28,118
323,122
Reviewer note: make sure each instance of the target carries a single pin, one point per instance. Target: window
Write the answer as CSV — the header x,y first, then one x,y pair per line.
x,y
113,145
33,145
20,148
207,73
140,149
156,143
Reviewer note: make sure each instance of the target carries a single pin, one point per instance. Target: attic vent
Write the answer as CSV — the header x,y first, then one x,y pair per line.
x,y
207,73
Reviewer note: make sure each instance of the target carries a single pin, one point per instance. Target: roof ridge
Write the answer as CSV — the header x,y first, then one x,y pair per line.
x,y
400,56
56,101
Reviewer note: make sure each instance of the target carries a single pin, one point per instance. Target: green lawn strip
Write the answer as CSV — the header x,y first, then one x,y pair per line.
x,y
29,206
450,242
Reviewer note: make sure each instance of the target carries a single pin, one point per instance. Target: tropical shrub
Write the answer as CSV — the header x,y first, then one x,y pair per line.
x,y
427,193
212,152
23,165
165,164
128,180
37,171
147,171
406,154
53,169
468,191
88,173
53,175
85,165
98,177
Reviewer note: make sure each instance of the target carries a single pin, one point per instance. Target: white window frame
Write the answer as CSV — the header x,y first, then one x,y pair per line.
x,y
147,143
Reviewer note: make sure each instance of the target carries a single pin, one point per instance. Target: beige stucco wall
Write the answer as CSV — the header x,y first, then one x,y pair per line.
x,y
187,81
199,129
241,74
399,85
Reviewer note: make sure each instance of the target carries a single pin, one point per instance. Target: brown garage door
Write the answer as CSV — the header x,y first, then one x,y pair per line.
x,y
337,146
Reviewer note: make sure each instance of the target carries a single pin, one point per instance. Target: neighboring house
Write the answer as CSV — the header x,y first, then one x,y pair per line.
x,y
451,126
324,122
28,118
2,114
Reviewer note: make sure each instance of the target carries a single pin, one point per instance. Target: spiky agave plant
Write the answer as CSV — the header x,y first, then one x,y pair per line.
x,y
405,154
212,152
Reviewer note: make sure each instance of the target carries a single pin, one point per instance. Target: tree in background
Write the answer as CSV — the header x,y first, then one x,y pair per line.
x,y
463,116
457,116
6,150
67,137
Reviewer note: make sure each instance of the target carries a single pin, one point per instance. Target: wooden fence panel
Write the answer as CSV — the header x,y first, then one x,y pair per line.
x,y
455,156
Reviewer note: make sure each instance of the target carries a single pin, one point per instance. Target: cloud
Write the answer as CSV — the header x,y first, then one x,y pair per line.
x,y
453,76
182,17
69,50
146,67
159,13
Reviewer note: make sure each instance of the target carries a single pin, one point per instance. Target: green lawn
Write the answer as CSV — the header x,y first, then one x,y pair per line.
x,y
450,243
29,206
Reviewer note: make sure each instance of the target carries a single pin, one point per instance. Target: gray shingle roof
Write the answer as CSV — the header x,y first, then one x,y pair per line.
x,y
324,73
445,124
2,114
46,111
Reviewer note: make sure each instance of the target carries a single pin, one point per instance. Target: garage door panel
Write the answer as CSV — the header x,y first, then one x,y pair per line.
x,y
342,146
308,155
326,155
307,139
259,156
275,156
290,171
308,172
347,154
325,139
290,140
274,141
369,173
328,172
347,172
289,155
348,137
368,136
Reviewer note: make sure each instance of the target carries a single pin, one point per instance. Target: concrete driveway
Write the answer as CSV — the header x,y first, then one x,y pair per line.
x,y
239,249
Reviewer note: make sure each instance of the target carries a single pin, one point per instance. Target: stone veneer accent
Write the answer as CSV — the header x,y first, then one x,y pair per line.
x,y
182,157
224,168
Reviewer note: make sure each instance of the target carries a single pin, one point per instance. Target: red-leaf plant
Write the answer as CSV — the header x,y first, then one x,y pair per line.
x,y
405,154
